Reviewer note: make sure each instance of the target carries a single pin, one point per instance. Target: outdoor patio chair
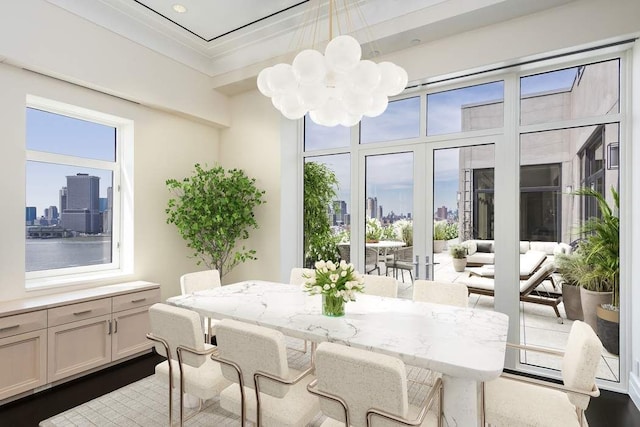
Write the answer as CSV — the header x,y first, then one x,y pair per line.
x,y
529,291
402,260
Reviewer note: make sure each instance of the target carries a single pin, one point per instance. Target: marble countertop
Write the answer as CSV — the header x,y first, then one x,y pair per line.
x,y
459,342
24,305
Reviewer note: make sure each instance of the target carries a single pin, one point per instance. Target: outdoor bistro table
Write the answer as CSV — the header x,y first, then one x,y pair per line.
x,y
466,345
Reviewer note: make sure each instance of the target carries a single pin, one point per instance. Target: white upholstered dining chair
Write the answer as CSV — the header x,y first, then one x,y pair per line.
x,y
197,375
455,294
514,400
268,393
359,388
297,276
200,281
382,286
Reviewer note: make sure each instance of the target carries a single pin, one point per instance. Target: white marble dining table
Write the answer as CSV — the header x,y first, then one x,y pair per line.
x,y
466,345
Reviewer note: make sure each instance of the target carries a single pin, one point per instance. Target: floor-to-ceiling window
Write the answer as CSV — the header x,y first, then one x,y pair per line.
x,y
566,123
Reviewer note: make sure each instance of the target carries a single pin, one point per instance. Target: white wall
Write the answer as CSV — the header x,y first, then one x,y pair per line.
x,y
576,23
252,143
165,146
37,35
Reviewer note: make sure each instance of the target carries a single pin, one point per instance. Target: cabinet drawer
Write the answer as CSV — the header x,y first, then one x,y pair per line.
x,y
80,311
136,299
21,323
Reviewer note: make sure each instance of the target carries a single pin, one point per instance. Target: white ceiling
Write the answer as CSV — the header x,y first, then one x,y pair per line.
x,y
231,40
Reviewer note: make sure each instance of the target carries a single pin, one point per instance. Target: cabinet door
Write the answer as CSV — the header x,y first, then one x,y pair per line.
x,y
130,329
78,346
23,362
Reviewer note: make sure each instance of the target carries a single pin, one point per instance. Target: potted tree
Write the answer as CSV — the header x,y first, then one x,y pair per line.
x,y
458,256
601,251
571,267
439,236
213,211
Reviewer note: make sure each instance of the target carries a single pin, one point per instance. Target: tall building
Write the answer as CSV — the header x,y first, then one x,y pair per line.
x,y
340,207
82,213
380,215
63,199
30,215
442,213
51,215
107,213
372,207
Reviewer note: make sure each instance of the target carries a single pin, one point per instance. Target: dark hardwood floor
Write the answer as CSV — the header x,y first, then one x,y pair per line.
x,y
609,410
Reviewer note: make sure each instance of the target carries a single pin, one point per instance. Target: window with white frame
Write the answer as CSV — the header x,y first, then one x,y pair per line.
x,y
73,210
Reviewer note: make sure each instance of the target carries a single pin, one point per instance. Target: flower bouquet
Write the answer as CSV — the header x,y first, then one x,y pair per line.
x,y
338,283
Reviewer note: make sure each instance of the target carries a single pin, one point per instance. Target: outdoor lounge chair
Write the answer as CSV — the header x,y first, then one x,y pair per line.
x,y
528,288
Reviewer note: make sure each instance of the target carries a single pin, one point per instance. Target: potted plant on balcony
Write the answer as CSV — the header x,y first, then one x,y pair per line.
x,y
458,256
571,267
439,236
601,250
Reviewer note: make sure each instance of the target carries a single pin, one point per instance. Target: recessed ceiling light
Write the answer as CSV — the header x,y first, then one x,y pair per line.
x,y
179,8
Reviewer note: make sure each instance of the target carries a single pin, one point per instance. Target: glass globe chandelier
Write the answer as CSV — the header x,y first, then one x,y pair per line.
x,y
335,88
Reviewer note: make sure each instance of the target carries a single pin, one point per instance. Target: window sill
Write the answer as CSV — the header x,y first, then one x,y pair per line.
x,y
76,280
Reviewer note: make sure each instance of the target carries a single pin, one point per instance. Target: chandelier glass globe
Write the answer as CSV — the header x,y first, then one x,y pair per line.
x,y
335,88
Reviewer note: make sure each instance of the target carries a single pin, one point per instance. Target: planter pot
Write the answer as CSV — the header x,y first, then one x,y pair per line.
x,y
459,264
608,322
590,301
572,303
438,246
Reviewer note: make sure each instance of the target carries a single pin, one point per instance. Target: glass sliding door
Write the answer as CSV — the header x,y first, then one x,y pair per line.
x,y
463,217
564,168
388,215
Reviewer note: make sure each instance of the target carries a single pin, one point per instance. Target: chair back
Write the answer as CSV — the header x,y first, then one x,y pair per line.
x,y
177,326
364,380
382,286
297,275
371,256
199,281
345,252
580,362
455,294
404,254
253,348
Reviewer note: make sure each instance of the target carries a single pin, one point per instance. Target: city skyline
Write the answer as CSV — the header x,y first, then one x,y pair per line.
x,y
57,134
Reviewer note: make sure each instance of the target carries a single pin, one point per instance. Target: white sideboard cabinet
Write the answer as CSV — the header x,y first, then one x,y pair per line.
x,y
47,339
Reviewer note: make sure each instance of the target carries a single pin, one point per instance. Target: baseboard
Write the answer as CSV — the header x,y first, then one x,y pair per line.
x,y
634,389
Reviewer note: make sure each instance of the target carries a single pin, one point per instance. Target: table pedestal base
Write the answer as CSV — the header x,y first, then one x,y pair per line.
x,y
462,401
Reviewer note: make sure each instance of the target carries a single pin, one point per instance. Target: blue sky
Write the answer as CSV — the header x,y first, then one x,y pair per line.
x,y
63,135
390,177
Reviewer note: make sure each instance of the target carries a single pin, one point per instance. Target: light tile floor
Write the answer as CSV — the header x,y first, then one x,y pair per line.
x,y
538,323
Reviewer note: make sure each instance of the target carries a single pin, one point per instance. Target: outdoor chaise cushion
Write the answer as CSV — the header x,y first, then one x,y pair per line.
x,y
528,293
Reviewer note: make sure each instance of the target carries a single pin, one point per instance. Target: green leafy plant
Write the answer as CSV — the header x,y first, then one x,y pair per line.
x,y
389,233
457,251
451,231
440,230
404,230
373,230
213,211
600,246
320,190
